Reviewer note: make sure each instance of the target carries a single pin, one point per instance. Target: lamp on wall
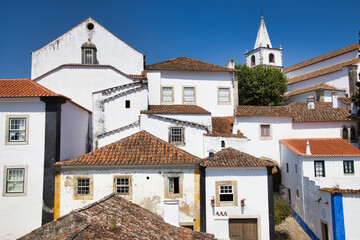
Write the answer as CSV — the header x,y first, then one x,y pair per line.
x,y
243,202
212,201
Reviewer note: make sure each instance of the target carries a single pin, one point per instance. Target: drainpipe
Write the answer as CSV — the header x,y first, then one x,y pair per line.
x,y
202,200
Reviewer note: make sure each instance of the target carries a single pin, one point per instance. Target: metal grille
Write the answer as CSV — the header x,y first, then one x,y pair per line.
x,y
176,134
348,166
224,95
88,56
167,94
319,169
189,94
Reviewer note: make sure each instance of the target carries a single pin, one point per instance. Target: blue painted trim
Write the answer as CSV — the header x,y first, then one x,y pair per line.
x,y
337,211
305,227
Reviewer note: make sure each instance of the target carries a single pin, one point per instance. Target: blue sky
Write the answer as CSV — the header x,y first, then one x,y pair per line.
x,y
212,31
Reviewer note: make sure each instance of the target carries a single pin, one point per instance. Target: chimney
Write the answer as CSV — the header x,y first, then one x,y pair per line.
x,y
310,102
334,99
308,152
231,64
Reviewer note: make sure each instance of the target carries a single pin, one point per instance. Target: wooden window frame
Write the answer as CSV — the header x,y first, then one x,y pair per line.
x,y
5,181
7,135
265,136
87,196
126,196
167,194
345,163
233,203
323,168
177,143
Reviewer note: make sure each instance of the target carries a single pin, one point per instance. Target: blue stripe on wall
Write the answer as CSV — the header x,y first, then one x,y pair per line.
x,y
337,216
305,227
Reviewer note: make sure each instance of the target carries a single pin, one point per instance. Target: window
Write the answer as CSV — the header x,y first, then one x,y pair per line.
x,y
289,195
83,187
173,185
223,95
167,94
14,181
271,58
345,133
176,135
127,103
123,186
88,53
265,130
296,169
253,60
353,137
226,193
189,94
297,193
187,225
348,166
17,129
222,143
319,168
287,167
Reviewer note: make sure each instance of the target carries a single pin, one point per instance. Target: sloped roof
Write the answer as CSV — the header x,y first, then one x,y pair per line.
x,y
323,57
175,109
338,190
230,157
222,127
112,217
25,87
321,147
322,71
323,112
188,64
345,100
272,111
141,148
322,86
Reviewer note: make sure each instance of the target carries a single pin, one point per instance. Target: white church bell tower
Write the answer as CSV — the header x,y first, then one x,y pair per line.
x,y
264,53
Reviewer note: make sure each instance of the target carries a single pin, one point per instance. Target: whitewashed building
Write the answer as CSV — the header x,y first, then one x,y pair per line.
x,y
142,168
39,128
321,180
238,196
327,77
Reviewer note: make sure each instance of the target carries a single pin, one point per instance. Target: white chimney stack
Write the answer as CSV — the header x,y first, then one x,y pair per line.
x,y
308,152
231,64
334,99
310,103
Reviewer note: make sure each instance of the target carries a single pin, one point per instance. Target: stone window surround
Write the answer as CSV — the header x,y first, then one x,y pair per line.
x,y
263,137
179,144
183,97
172,95
166,184
126,196
7,142
83,197
218,203
24,193
218,96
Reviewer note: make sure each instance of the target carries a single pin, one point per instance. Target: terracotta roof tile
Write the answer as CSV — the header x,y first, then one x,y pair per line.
x,y
230,157
175,109
10,88
188,64
112,217
222,127
345,100
322,57
141,148
323,112
321,147
337,190
322,86
323,71
266,111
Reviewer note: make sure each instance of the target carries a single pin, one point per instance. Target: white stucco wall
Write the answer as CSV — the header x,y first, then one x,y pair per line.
x,y
206,88
67,49
78,83
323,64
74,131
262,57
193,135
351,203
22,214
148,188
257,54
251,185
303,97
